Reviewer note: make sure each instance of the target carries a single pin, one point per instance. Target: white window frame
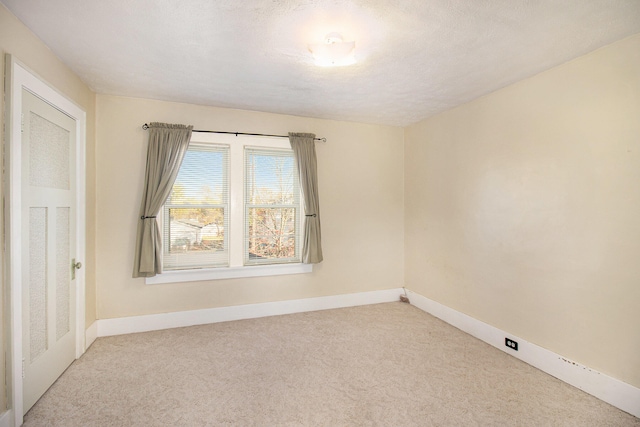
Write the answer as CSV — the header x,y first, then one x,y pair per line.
x,y
195,260
247,206
236,268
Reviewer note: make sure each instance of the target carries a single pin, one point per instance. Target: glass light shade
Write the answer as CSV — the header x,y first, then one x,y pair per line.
x,y
333,52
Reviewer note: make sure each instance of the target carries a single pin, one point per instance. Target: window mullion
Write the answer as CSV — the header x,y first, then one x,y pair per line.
x,y
194,206
272,206
236,219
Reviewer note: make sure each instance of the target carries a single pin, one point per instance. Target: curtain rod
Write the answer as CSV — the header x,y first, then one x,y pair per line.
x,y
146,126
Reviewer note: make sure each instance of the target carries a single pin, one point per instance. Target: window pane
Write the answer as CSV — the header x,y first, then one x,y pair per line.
x,y
272,233
201,179
195,216
272,207
270,178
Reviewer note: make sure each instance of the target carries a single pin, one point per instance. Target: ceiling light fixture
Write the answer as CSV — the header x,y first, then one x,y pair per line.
x,y
333,52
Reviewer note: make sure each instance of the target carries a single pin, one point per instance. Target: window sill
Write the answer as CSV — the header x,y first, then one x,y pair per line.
x,y
228,273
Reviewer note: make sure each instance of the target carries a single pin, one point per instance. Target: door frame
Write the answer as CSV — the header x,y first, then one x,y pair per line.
x,y
18,77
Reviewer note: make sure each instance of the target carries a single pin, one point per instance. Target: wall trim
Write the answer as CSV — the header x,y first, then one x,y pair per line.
x,y
180,276
154,322
611,390
90,335
5,418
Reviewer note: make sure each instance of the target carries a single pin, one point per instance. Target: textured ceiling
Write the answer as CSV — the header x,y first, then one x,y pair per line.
x,y
415,57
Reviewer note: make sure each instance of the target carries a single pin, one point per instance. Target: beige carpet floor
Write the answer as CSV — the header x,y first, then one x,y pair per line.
x,y
378,365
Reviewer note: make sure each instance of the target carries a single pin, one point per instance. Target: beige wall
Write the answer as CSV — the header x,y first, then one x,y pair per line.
x,y
523,209
360,172
17,40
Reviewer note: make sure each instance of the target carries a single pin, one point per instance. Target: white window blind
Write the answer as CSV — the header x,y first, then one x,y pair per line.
x,y
272,213
195,217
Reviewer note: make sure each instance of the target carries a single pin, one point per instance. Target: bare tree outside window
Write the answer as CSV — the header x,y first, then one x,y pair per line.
x,y
272,206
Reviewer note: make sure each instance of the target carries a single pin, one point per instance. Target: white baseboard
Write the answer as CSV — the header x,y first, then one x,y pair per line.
x,y
5,418
90,335
615,392
153,322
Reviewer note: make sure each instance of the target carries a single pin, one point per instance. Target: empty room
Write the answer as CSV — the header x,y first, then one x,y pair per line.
x,y
320,213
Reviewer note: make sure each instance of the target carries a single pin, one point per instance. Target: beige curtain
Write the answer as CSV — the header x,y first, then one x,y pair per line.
x,y
304,149
167,147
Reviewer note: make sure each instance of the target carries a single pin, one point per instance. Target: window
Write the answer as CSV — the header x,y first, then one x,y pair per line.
x,y
272,207
235,210
196,214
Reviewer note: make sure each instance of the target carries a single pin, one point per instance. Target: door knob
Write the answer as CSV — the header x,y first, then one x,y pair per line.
x,y
75,266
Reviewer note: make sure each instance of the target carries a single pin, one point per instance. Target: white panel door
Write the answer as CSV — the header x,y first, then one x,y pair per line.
x,y
48,245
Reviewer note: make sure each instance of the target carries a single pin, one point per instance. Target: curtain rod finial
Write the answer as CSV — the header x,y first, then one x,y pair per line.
x,y
145,126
